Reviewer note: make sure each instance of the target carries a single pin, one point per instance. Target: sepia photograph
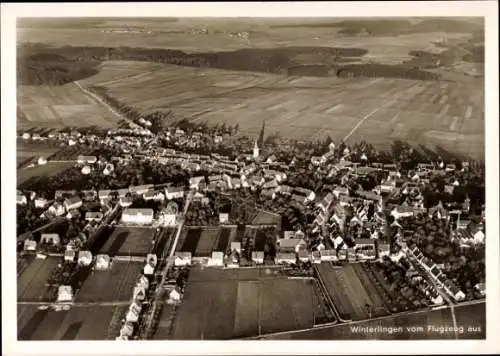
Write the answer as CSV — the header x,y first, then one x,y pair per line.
x,y
251,178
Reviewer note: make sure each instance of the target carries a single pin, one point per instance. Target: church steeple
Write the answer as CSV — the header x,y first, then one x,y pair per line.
x,y
255,150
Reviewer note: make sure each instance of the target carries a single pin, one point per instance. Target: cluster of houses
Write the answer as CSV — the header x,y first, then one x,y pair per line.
x,y
437,274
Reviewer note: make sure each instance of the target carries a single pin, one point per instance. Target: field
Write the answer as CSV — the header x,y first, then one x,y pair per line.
x,y
447,114
31,282
124,241
59,106
266,218
184,34
353,297
48,169
79,323
201,242
226,304
30,150
116,284
468,316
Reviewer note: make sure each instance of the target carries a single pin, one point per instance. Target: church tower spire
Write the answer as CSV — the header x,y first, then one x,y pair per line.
x,y
255,150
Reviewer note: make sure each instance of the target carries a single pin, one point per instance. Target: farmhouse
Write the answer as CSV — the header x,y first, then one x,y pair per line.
x,y
481,288
285,258
104,194
69,255
168,219
338,191
360,243
29,245
328,255
182,258
84,258
126,202
236,246
93,216
258,257
217,259
122,193
127,330
50,239
65,294
383,249
223,218
137,216
307,193
402,212
40,202
303,256
73,203
86,159
324,204
316,257
174,193
194,182
102,262
21,199
140,189
148,269
291,245
132,316
139,293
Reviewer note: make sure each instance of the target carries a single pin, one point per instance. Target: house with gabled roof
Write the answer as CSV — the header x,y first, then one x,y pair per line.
x,y
285,258
258,257
291,245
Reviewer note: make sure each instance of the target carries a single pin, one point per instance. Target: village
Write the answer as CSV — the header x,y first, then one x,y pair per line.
x,y
129,224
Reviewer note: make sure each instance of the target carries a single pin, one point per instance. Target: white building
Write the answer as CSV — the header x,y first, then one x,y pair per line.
x,y
194,182
148,270
182,259
93,216
328,255
217,259
50,239
223,218
73,203
21,199
132,316
84,258
69,255
102,262
65,294
137,216
40,202
29,245
127,330
139,293
258,257
174,193
285,258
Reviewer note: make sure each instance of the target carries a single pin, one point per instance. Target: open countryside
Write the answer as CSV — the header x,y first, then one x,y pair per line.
x,y
218,179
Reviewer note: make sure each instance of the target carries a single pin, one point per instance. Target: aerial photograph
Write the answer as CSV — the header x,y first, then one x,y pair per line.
x,y
184,178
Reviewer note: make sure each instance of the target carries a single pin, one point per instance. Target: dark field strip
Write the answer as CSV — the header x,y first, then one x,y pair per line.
x,y
27,332
222,244
72,331
260,240
162,242
240,233
191,242
118,243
